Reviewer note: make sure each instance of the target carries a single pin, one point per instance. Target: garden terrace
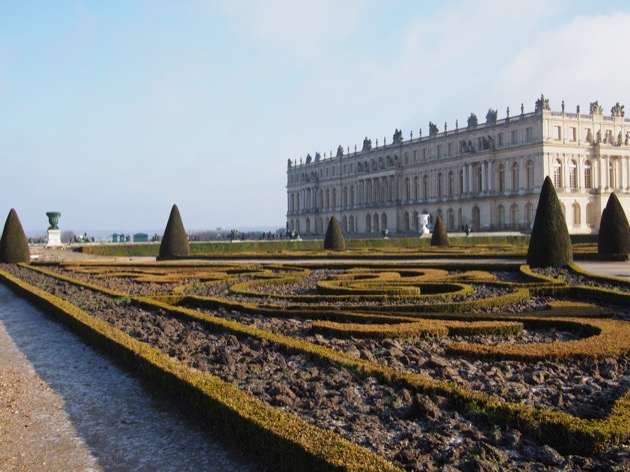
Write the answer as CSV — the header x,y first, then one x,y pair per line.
x,y
411,365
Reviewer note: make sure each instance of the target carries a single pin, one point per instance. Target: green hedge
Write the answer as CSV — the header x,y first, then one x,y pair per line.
x,y
561,430
282,438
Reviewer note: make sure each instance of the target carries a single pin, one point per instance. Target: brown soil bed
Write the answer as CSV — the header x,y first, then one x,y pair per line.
x,y
416,432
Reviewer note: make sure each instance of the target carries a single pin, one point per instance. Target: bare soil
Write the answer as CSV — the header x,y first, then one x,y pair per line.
x,y
416,432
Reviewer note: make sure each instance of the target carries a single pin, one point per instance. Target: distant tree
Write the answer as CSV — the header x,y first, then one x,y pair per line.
x,y
550,243
439,236
67,236
175,240
13,243
614,230
334,239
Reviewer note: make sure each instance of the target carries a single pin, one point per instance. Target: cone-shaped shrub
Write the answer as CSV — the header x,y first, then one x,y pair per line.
x,y
13,244
550,243
614,231
439,236
334,237
175,240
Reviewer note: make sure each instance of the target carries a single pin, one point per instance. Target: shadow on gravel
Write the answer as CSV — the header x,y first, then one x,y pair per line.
x,y
126,423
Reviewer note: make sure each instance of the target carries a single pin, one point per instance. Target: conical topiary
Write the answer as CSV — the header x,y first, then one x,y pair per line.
x,y
175,240
13,244
614,230
334,237
550,243
439,236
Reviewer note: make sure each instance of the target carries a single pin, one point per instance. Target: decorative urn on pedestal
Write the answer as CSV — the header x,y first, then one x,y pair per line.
x,y
54,233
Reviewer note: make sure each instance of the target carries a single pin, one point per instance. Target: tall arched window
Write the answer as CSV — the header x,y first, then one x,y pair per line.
x,y
407,189
501,177
406,226
589,215
425,187
415,221
577,219
588,179
476,218
514,216
451,184
557,174
613,172
450,219
368,223
501,216
439,185
573,183
529,165
516,183
416,185
529,214
461,181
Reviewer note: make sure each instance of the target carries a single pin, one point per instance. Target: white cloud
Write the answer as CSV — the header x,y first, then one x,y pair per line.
x,y
302,29
581,61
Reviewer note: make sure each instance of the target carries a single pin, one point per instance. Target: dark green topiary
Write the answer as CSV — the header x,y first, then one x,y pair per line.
x,y
175,240
550,243
614,230
334,237
13,244
439,236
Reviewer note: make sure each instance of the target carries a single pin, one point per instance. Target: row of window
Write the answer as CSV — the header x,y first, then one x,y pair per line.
x,y
505,218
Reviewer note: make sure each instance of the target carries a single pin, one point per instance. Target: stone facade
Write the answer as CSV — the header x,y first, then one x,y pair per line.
x,y
486,176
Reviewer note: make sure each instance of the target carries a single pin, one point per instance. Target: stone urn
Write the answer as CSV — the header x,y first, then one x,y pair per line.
x,y
53,219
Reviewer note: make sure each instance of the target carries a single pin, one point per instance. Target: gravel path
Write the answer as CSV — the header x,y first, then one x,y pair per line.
x,y
65,407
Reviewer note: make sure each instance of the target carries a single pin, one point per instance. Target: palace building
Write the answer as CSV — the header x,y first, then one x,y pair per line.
x,y
485,176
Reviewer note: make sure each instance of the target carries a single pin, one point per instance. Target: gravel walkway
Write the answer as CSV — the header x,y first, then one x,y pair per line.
x,y
65,407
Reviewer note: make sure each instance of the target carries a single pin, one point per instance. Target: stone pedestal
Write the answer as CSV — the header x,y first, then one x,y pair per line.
x,y
54,238
424,221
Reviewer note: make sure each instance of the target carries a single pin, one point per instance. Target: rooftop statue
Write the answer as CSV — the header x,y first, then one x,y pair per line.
x,y
617,110
542,104
367,144
472,121
596,108
433,129
491,116
398,137
340,151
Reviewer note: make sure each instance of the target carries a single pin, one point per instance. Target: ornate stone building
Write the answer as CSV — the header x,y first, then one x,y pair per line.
x,y
487,176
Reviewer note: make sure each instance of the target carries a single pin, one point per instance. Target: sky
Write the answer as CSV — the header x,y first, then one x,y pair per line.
x,y
113,111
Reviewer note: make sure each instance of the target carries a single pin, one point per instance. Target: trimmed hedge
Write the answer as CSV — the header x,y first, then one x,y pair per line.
x,y
175,240
562,431
282,438
550,243
334,239
439,236
13,243
614,230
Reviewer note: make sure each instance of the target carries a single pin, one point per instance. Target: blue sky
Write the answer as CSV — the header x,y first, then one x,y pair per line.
x,y
112,111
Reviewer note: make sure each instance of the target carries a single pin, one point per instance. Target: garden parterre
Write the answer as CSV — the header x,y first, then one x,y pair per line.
x,y
421,365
